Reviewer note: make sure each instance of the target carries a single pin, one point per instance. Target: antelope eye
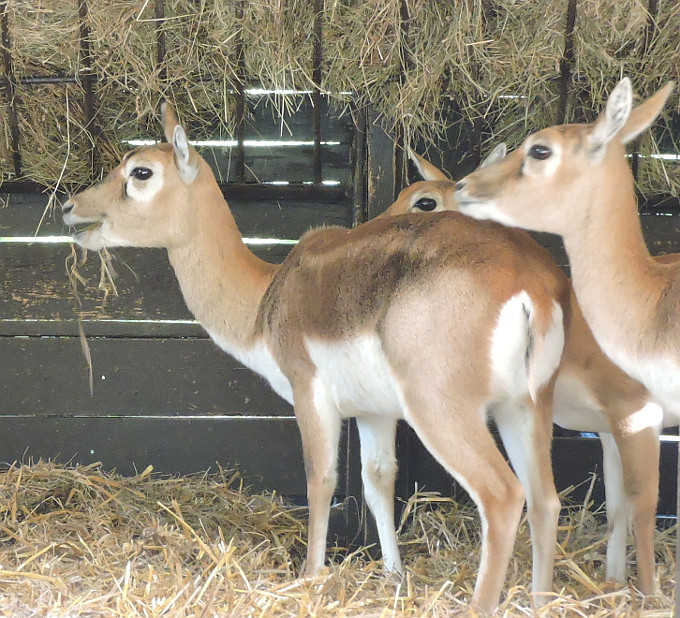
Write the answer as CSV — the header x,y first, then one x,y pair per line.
x,y
425,204
540,152
141,173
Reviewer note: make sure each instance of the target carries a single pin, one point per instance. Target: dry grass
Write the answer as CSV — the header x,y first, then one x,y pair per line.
x,y
498,62
76,541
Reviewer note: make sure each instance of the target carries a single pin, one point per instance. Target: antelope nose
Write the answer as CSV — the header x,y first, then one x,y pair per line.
x,y
67,207
460,185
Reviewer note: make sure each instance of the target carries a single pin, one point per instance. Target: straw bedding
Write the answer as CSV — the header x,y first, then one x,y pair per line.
x,y
498,61
78,541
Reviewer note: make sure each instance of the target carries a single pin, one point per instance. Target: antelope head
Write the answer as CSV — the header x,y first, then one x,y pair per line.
x,y
144,201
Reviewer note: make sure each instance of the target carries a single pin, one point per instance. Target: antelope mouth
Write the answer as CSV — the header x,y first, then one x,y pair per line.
x,y
463,197
80,229
85,234
80,225
466,201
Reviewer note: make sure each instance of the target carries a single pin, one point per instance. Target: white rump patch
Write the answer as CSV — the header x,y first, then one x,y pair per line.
x,y
512,344
551,352
357,376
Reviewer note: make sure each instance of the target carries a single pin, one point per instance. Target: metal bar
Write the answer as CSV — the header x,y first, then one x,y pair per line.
x,y
478,122
405,63
635,159
87,84
316,94
41,80
358,162
240,97
650,31
159,14
566,63
10,89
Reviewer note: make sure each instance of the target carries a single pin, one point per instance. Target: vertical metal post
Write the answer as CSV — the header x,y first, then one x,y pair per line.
x,y
566,63
358,162
406,63
478,121
650,31
316,94
159,14
87,84
10,90
240,97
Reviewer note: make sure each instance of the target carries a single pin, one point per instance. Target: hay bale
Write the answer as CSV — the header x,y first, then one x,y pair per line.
x,y
497,61
79,541
504,71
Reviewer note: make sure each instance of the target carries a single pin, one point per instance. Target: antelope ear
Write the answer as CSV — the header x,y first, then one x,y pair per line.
x,y
425,168
496,154
612,120
185,156
645,114
169,120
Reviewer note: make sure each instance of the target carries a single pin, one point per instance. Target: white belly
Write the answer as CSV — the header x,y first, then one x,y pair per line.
x,y
260,360
661,377
575,408
356,376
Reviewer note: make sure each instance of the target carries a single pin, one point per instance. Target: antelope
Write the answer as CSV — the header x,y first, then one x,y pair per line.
x,y
345,326
591,394
573,180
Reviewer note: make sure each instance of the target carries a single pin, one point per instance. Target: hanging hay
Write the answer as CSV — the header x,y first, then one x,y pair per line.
x,y
617,39
497,62
77,541
504,66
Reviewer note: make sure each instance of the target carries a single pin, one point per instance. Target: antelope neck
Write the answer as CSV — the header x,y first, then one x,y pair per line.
x,y
612,271
222,281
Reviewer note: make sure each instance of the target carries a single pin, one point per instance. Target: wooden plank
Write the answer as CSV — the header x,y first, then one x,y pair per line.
x,y
662,233
281,118
294,164
267,451
160,329
259,210
35,285
48,376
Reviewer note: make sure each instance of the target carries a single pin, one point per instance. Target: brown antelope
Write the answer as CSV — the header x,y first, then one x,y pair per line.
x,y
591,394
573,180
349,326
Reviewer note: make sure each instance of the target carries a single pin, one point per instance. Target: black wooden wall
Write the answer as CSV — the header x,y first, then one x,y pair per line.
x,y
163,394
